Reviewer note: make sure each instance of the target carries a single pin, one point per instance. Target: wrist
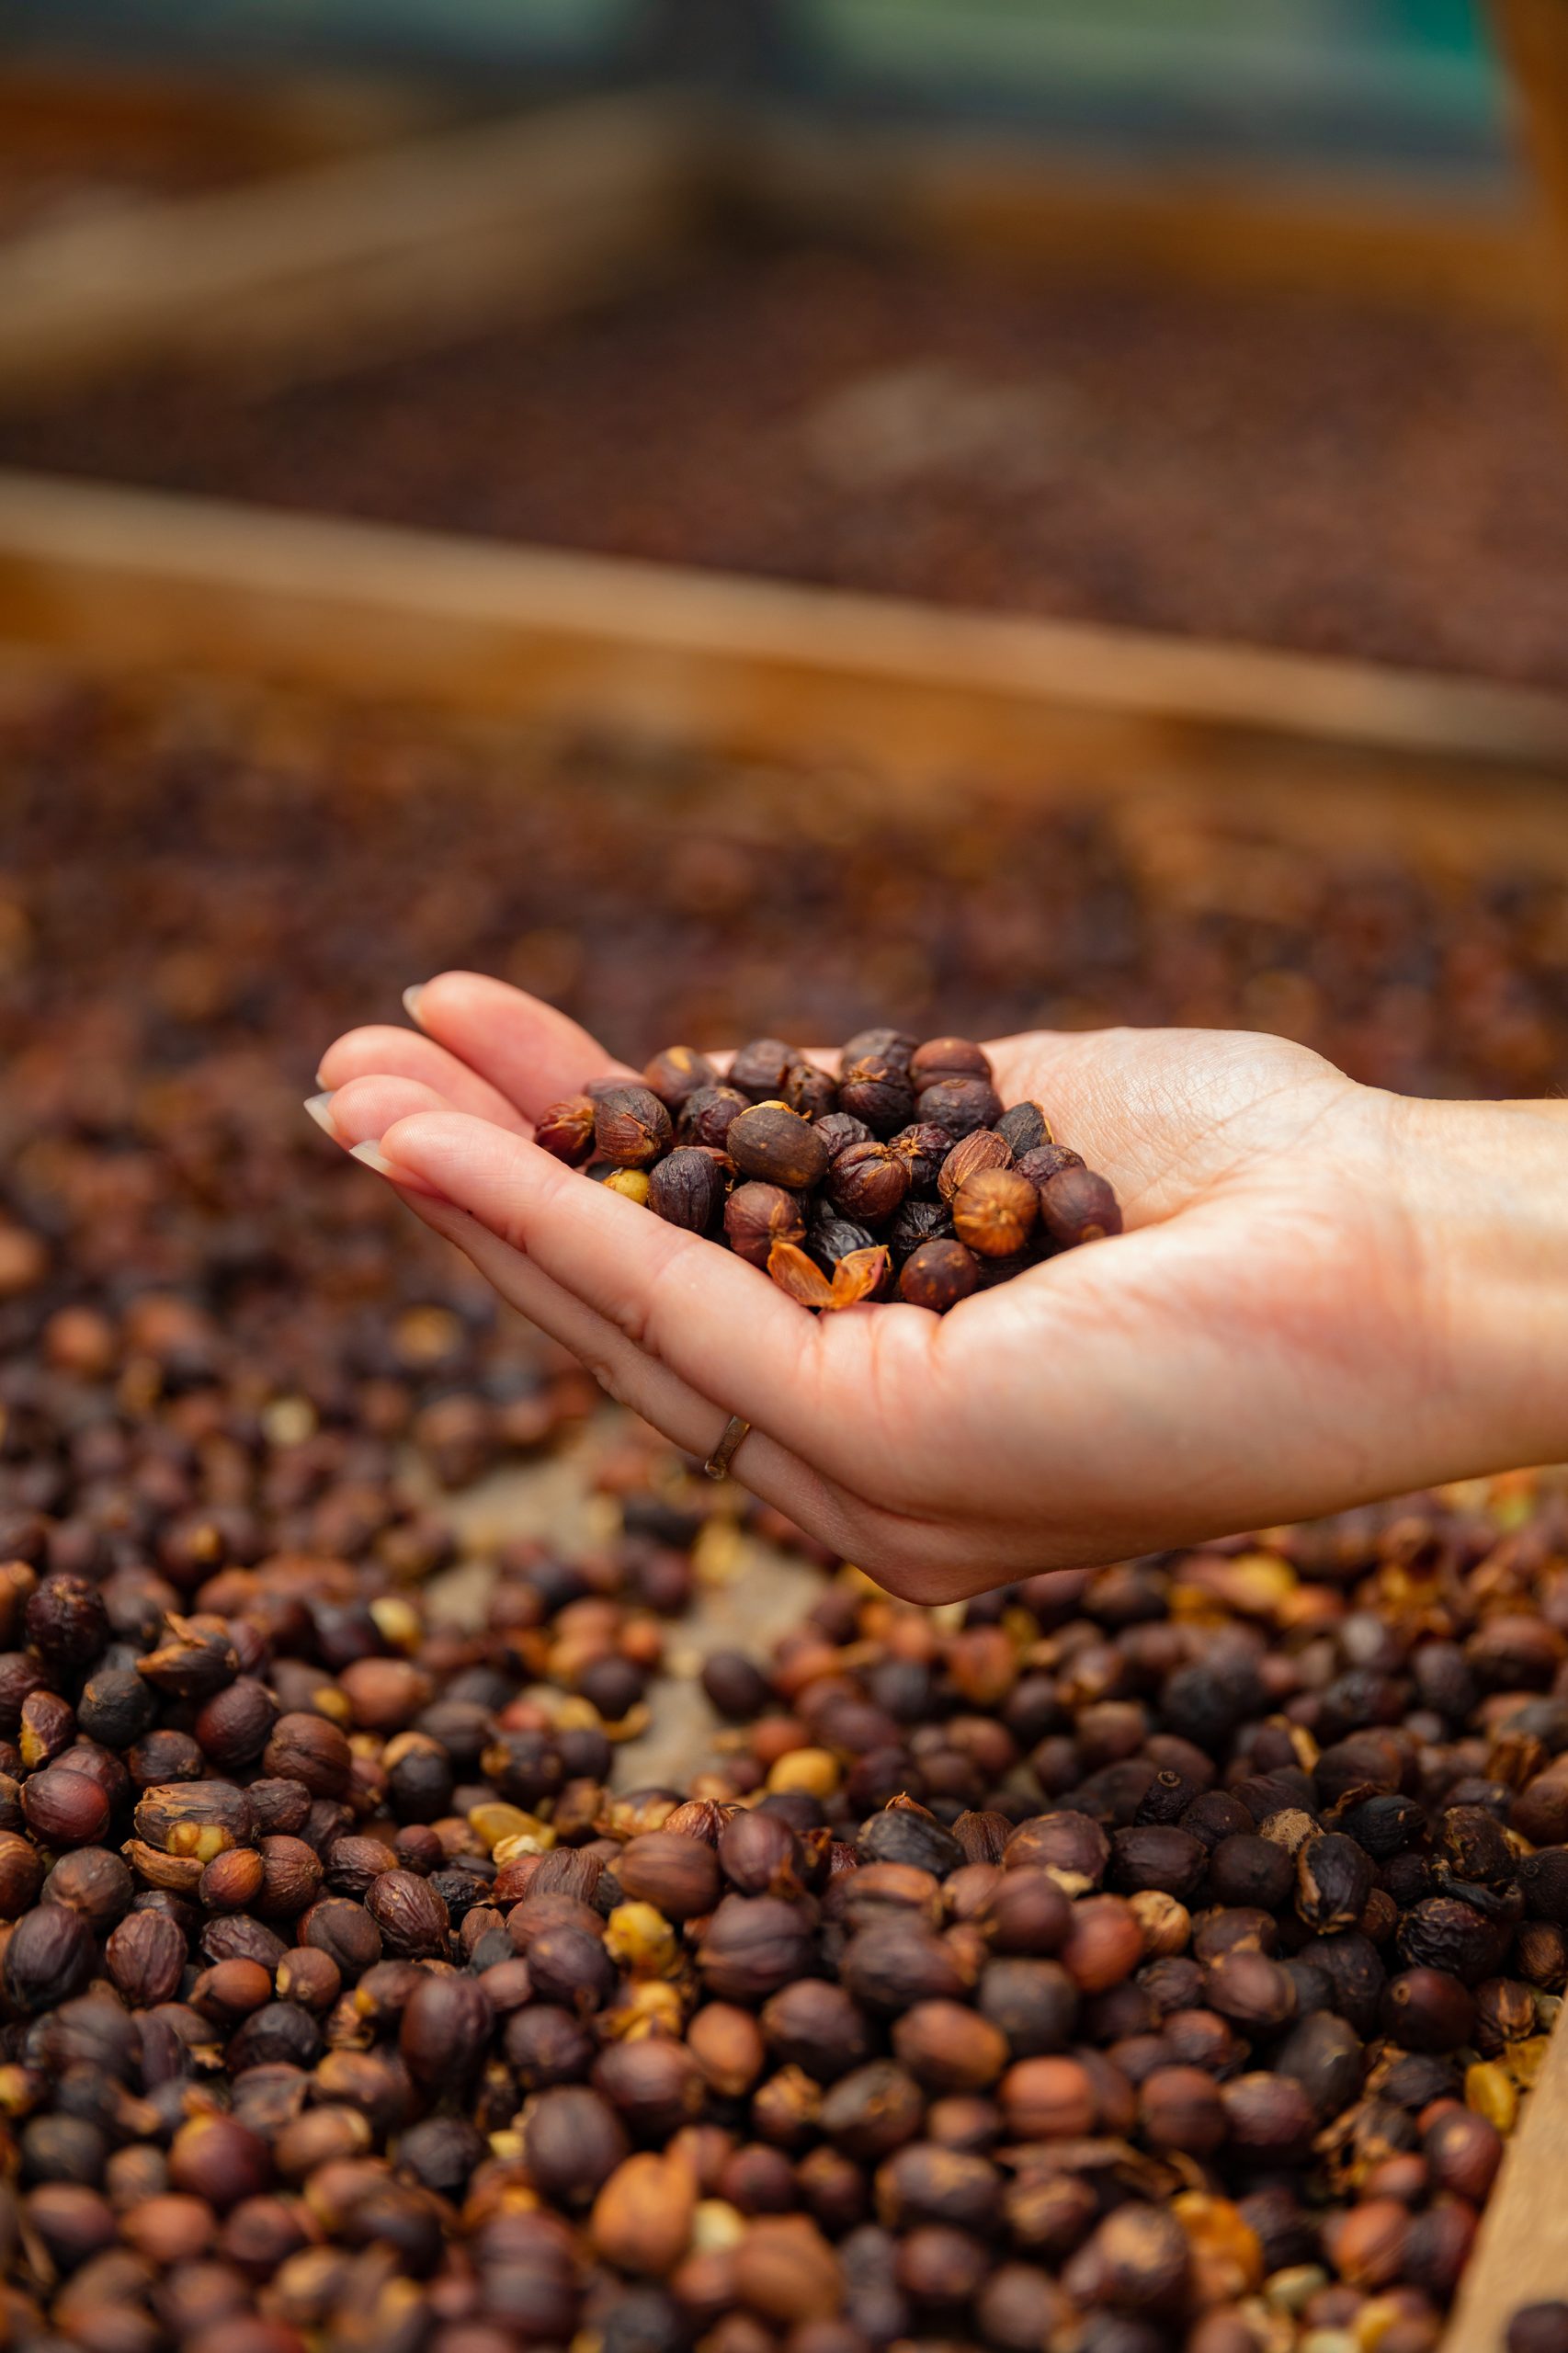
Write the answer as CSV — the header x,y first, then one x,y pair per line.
x,y
1485,1190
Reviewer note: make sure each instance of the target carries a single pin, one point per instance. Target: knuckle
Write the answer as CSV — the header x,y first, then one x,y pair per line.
x,y
606,1373
632,1321
645,1317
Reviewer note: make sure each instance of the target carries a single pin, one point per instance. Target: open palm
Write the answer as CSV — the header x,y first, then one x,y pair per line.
x,y
1254,1348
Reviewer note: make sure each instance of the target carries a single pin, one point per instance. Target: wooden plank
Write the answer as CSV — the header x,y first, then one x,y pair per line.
x,y
1521,2250
48,111
129,579
356,256
396,248
1394,237
1534,35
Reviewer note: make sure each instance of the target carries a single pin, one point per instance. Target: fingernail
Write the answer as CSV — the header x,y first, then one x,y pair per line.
x,y
319,1109
374,1158
411,1001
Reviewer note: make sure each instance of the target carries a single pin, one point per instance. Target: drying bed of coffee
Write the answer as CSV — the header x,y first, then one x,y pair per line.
x,y
1383,482
1148,1960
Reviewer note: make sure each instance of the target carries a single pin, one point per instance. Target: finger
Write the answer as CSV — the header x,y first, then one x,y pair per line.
x,y
381,1051
714,1320
688,1419
926,1561
533,1054
362,1112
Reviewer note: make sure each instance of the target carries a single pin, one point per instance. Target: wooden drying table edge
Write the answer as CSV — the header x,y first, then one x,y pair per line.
x,y
1409,238
304,115
1521,2249
126,580
363,254
410,243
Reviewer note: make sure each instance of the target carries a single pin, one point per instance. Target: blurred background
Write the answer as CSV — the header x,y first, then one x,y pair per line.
x,y
741,516
1232,322
1414,76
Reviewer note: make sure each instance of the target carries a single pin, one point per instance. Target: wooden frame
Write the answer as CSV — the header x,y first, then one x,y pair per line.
x,y
406,246
276,123
1534,37
357,254
1521,2255
129,581
1394,237
121,145
403,244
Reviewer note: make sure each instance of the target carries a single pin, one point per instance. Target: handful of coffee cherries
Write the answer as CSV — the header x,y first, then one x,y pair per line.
x,y
902,1176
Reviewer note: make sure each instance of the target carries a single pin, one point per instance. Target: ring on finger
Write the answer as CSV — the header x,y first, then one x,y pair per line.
x,y
718,1464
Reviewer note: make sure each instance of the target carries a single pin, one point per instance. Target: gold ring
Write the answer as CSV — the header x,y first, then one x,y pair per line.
x,y
724,1454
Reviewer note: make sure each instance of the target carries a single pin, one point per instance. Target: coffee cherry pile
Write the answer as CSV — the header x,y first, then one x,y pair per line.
x,y
903,1175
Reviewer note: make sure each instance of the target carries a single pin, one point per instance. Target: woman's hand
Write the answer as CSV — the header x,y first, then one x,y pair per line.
x,y
1325,1294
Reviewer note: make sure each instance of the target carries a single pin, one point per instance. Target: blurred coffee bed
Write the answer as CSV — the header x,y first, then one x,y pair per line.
x,y
785,435
1336,476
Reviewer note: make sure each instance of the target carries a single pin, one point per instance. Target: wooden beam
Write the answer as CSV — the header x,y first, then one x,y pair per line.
x,y
128,579
1391,237
275,123
357,255
1521,2251
398,248
1534,37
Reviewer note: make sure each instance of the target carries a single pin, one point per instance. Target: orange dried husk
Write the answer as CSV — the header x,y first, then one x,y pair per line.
x,y
859,1275
799,1276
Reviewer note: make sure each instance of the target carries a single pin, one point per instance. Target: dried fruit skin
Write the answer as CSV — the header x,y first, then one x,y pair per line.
x,y
775,1144
941,1059
839,1130
925,1150
565,1130
685,1188
877,1090
862,1275
631,1127
918,1221
707,1114
983,1149
677,1074
939,1275
642,2217
1077,1206
830,1237
1024,1127
994,1212
809,1089
866,1182
1041,1161
760,1069
1059,1966
759,1216
799,1278
894,1046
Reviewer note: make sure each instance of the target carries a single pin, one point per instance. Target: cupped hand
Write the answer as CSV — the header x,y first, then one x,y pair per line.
x,y
1267,1340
